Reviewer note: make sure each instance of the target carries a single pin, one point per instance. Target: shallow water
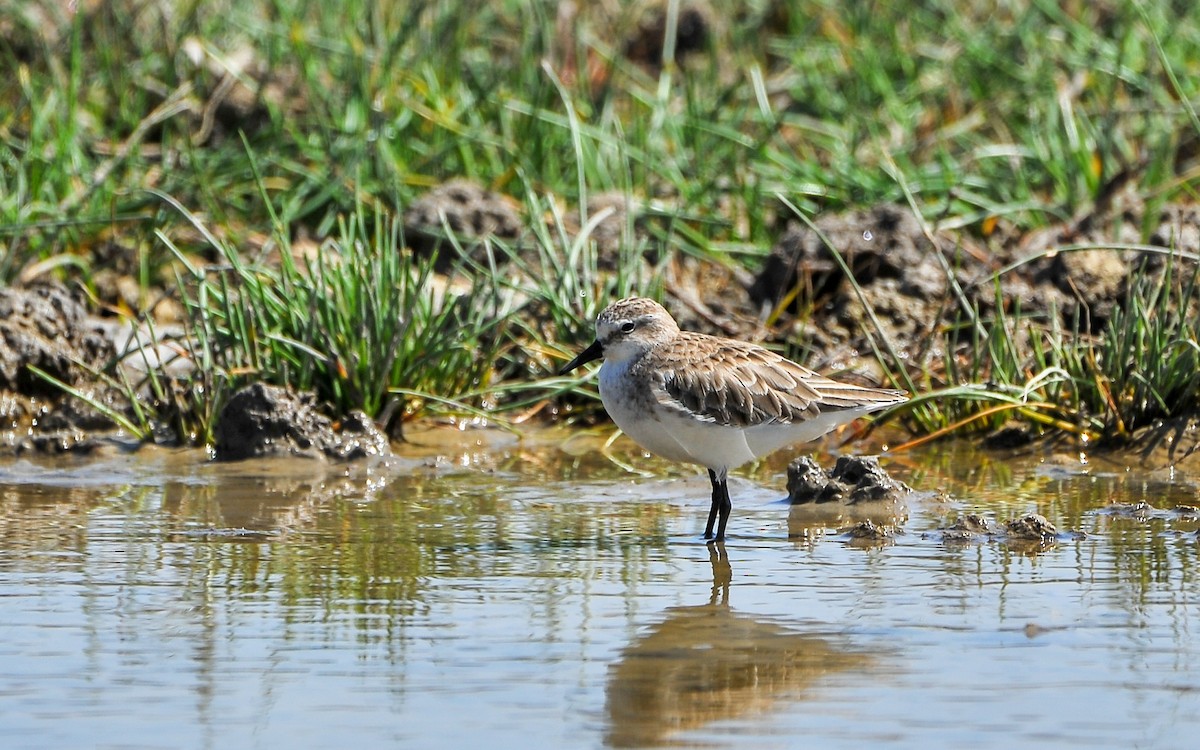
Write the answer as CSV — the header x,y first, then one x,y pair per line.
x,y
511,594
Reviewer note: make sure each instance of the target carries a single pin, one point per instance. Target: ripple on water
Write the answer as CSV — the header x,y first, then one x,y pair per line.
x,y
430,603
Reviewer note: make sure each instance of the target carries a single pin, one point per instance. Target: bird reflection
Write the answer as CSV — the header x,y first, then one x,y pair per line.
x,y
722,573
708,663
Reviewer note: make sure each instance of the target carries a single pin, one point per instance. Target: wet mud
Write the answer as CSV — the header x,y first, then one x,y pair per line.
x,y
914,278
264,421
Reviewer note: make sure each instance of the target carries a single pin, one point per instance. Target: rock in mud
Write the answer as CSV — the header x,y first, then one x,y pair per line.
x,y
853,479
885,241
47,327
967,528
1031,528
1031,533
869,534
1139,511
267,421
467,209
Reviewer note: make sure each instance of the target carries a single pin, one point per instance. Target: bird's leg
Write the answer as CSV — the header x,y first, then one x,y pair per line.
x,y
716,502
720,504
726,507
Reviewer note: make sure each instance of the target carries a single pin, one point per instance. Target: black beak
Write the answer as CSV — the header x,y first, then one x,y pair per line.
x,y
592,353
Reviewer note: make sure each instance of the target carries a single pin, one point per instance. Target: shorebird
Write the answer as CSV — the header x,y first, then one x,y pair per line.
x,y
712,401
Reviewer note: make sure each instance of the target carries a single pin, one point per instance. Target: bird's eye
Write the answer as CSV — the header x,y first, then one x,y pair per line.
x,y
628,327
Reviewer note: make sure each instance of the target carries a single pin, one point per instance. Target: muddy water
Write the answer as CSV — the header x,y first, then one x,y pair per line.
x,y
536,593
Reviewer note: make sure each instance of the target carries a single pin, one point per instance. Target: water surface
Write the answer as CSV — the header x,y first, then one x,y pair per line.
x,y
485,591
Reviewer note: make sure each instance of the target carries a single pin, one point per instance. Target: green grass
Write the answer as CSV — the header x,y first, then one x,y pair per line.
x,y
1031,368
358,323
124,125
1024,112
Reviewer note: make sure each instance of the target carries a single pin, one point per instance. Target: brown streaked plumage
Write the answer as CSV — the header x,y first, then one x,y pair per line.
x,y
712,401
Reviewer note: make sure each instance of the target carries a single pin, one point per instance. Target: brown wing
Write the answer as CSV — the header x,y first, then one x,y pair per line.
x,y
742,384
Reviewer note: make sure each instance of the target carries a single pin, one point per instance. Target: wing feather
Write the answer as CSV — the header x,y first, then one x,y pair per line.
x,y
744,385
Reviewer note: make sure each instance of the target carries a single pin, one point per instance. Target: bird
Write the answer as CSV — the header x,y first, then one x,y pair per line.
x,y
712,401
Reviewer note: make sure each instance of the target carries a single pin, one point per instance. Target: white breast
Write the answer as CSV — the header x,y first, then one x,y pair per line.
x,y
632,405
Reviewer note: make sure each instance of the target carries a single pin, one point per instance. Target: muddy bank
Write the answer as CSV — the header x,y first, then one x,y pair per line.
x,y
851,282
917,278
93,373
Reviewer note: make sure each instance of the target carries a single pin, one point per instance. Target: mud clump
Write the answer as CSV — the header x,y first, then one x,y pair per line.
x,y
1033,533
856,496
909,277
693,34
1143,511
1009,437
1079,270
967,528
616,220
852,480
263,421
1139,511
239,89
1030,533
1031,528
867,534
44,326
881,242
1172,444
468,210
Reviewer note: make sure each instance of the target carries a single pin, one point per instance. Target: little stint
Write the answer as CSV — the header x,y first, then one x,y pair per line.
x,y
712,401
